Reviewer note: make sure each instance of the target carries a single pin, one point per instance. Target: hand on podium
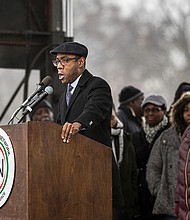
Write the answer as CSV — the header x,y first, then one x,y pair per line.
x,y
70,129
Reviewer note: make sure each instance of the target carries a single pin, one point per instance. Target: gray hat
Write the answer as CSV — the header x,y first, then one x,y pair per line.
x,y
156,100
71,48
42,104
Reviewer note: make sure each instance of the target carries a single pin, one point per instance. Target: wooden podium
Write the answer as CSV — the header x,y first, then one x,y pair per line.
x,y
57,181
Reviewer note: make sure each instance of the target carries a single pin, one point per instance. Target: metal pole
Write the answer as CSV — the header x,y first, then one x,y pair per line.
x,y
69,18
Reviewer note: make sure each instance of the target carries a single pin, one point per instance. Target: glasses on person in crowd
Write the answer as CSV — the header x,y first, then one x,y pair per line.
x,y
63,61
153,110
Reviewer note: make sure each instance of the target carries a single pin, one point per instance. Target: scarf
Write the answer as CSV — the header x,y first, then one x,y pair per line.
x,y
152,131
118,131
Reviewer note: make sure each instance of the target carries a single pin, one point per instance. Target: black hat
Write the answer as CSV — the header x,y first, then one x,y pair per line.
x,y
183,87
42,104
156,100
71,48
128,94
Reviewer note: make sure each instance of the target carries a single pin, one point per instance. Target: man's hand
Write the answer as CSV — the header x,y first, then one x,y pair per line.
x,y
68,130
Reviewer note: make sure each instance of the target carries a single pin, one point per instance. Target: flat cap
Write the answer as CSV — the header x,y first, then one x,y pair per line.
x,y
156,100
74,48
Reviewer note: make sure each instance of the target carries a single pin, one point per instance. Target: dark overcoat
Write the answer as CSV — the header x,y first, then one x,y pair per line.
x,y
91,105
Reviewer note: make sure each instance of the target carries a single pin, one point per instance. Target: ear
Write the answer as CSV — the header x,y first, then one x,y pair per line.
x,y
81,62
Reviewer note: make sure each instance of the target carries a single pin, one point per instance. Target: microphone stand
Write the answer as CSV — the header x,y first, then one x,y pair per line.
x,y
14,115
46,81
30,98
20,120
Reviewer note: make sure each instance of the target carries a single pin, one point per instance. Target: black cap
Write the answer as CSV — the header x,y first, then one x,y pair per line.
x,y
71,48
128,94
183,87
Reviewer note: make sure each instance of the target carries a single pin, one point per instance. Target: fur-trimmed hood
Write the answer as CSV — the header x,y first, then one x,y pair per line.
x,y
176,115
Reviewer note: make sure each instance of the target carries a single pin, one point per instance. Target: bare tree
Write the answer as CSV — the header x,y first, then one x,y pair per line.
x,y
149,48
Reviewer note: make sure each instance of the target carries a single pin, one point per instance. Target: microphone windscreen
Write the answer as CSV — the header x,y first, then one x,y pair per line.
x,y
46,81
49,90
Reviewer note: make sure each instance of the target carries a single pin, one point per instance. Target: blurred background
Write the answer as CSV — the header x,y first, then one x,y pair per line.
x,y
144,43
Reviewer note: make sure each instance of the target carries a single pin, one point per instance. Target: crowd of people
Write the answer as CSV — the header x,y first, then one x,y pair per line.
x,y
150,140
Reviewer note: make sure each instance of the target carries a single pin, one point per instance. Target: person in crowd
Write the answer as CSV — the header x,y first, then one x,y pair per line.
x,y
183,186
125,157
85,106
183,87
42,112
130,110
155,122
163,163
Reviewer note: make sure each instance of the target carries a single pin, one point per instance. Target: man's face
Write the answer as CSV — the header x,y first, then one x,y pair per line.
x,y
136,106
69,67
43,114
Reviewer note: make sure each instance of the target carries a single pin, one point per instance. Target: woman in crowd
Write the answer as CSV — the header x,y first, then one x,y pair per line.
x,y
163,164
154,108
183,188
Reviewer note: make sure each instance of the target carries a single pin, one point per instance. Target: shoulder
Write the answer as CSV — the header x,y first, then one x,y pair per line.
x,y
120,113
168,132
186,133
88,77
168,137
123,112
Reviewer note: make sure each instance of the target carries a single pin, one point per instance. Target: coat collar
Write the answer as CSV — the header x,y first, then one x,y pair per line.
x,y
86,75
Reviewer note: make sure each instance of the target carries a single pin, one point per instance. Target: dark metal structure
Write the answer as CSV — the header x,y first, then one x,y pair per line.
x,y
28,30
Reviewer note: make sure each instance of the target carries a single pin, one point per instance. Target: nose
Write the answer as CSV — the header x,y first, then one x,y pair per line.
x,y
59,65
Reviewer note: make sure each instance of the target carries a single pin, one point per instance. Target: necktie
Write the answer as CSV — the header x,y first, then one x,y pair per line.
x,y
68,94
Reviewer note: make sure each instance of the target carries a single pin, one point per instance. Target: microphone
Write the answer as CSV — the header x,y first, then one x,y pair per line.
x,y
45,82
47,91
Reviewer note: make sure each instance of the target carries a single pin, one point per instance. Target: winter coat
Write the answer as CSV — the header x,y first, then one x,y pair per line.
x,y
91,106
143,149
131,123
183,191
162,180
128,175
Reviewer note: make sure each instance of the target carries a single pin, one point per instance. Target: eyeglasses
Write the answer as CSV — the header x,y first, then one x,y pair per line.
x,y
153,110
63,61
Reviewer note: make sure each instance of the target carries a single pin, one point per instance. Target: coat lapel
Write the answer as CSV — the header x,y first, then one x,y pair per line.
x,y
66,109
83,80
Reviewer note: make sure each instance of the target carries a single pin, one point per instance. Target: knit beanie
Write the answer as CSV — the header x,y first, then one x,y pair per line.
x,y
128,94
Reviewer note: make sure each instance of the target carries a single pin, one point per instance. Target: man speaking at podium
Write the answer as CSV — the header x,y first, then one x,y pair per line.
x,y
86,104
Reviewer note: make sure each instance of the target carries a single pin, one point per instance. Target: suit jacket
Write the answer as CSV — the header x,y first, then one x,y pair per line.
x,y
90,105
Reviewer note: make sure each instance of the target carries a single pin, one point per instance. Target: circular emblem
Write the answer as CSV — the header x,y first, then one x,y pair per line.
x,y
7,167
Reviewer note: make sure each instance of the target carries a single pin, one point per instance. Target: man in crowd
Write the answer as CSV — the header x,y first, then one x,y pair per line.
x,y
42,112
130,110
